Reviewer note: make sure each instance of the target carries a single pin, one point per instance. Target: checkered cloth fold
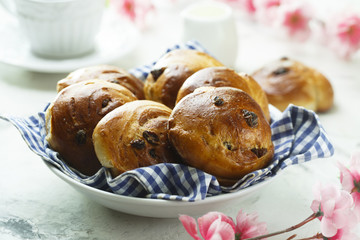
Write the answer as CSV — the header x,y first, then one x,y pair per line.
x,y
296,133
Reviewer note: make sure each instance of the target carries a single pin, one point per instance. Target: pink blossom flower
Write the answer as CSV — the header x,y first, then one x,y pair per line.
x,y
350,180
294,19
268,3
234,3
249,6
248,227
356,197
344,233
343,33
335,209
216,225
245,5
267,10
134,10
213,225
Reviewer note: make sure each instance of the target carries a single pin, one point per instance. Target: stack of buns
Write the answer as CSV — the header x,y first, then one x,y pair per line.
x,y
191,109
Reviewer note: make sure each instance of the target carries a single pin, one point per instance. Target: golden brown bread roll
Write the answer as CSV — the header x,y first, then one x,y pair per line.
x,y
170,72
225,77
134,135
222,131
72,117
107,73
287,81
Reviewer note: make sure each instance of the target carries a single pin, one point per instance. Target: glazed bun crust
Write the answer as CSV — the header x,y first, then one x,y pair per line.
x,y
134,135
170,72
107,73
72,117
221,131
287,81
225,77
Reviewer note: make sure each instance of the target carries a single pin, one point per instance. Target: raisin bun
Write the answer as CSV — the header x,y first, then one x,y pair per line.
x,y
107,73
170,72
134,135
225,77
222,131
287,81
72,117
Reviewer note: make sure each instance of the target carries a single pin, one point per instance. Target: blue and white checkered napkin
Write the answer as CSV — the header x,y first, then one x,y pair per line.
x,y
296,133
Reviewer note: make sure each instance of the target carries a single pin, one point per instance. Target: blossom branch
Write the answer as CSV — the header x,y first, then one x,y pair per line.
x,y
316,236
292,228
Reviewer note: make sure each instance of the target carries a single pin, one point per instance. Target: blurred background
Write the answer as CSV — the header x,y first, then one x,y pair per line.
x,y
324,34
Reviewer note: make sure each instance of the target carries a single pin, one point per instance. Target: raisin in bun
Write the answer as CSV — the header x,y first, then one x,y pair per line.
x,y
222,131
170,72
225,77
287,81
134,135
72,117
107,73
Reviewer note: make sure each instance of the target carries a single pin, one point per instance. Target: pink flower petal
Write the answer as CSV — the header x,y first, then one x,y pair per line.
x,y
341,218
327,227
349,30
249,6
189,224
346,178
328,207
294,19
345,200
316,190
343,34
355,158
315,206
220,230
356,197
330,192
337,207
267,10
136,11
355,166
247,225
206,221
266,4
344,233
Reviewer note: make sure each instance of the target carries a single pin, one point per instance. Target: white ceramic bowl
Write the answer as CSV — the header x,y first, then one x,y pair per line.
x,y
157,208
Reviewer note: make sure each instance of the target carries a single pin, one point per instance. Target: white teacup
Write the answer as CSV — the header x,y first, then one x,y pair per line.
x,y
58,28
213,25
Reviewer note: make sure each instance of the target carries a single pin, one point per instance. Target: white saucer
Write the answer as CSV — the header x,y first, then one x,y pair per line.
x,y
115,39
